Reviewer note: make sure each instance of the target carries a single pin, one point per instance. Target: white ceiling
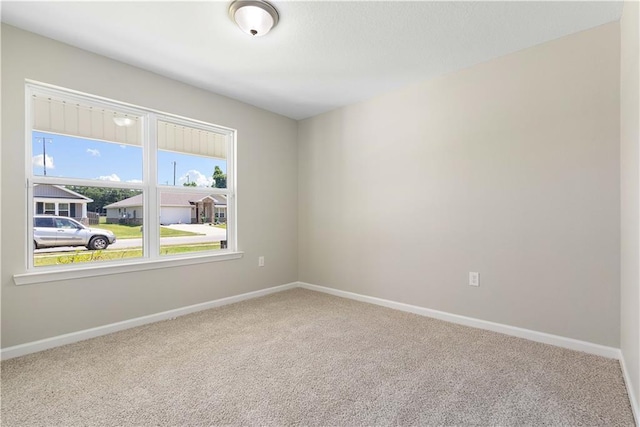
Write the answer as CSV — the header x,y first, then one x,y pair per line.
x,y
322,55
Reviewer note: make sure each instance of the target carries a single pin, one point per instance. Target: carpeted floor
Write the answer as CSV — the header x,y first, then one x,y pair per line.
x,y
304,358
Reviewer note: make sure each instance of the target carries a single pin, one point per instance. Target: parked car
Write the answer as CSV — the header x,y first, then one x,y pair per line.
x,y
53,231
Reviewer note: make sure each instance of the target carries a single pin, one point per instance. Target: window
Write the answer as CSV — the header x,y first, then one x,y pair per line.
x,y
44,222
63,209
150,185
65,223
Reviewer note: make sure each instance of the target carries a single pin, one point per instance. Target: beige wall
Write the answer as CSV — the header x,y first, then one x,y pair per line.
x,y
630,192
267,197
509,168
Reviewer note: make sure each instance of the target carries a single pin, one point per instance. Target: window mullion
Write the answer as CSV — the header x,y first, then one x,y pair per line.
x,y
152,230
232,226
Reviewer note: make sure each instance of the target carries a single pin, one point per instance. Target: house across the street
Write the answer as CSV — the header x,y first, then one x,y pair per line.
x,y
59,200
175,208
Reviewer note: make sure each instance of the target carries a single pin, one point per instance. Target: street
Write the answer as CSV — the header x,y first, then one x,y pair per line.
x,y
211,234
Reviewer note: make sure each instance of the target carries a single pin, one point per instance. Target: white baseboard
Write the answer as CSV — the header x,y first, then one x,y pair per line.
x,y
35,346
632,396
570,343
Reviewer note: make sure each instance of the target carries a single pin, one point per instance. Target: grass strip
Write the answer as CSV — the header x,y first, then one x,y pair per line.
x,y
123,232
115,254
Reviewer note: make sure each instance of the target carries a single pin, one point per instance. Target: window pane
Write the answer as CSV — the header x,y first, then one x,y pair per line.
x,y
188,222
190,170
191,157
70,157
94,229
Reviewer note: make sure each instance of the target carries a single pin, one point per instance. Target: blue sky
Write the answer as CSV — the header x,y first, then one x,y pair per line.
x,y
71,157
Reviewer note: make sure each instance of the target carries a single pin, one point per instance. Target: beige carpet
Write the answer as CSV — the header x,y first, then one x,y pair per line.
x,y
305,358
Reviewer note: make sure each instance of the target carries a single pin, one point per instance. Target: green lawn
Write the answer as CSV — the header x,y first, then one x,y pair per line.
x,y
115,254
180,249
135,231
223,225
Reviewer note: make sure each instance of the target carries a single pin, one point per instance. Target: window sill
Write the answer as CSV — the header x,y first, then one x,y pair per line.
x,y
105,270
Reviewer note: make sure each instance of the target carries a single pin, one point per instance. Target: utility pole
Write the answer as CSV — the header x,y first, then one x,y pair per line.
x,y
44,153
174,173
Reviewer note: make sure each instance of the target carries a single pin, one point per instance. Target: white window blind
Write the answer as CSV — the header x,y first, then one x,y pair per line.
x,y
185,139
74,119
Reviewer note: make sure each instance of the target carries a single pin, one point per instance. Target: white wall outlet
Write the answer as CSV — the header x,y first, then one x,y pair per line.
x,y
474,278
260,261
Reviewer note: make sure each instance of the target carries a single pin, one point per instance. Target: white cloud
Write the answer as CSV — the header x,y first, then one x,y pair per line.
x,y
197,177
39,161
123,146
93,152
112,177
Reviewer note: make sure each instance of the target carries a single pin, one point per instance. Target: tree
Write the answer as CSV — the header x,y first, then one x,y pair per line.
x,y
219,178
103,196
190,184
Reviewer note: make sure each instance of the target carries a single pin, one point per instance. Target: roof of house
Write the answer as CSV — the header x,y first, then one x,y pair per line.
x,y
173,199
125,203
57,192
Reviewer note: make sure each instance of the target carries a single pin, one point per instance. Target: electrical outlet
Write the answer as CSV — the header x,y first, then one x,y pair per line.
x,y
260,261
474,278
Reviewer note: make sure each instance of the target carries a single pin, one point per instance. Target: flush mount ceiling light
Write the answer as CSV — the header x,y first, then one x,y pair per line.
x,y
254,17
123,121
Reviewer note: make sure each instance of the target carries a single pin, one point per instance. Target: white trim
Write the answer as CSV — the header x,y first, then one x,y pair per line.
x,y
151,197
632,396
28,170
542,337
570,343
36,346
120,267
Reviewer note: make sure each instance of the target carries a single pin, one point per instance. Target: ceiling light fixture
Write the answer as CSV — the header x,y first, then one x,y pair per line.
x,y
123,121
254,17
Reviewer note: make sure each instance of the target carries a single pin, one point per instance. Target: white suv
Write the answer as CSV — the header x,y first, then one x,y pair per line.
x,y
50,231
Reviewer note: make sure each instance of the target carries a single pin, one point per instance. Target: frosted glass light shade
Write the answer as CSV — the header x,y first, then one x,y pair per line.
x,y
123,121
254,17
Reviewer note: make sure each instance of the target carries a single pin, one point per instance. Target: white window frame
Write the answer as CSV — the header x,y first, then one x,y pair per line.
x,y
151,258
59,210
45,210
